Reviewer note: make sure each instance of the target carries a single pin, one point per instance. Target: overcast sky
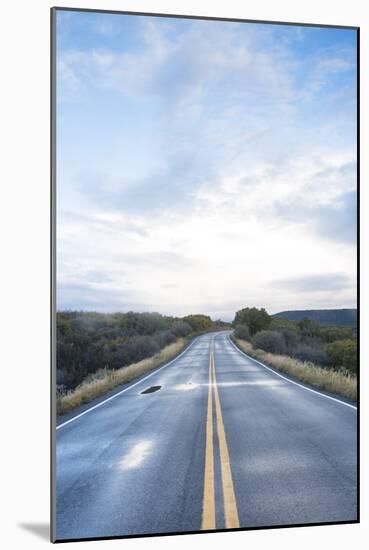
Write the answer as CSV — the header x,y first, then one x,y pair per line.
x,y
204,166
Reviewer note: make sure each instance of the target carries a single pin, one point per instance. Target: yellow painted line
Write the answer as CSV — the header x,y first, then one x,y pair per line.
x,y
208,505
229,497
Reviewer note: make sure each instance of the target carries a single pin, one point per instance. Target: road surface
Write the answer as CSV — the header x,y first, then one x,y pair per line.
x,y
224,442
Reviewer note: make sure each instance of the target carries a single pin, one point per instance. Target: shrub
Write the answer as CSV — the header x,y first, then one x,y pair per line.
x,y
255,319
269,340
140,347
142,323
164,337
343,353
62,378
134,350
280,324
105,380
305,352
199,322
326,379
181,328
309,327
290,337
88,341
242,331
332,334
222,325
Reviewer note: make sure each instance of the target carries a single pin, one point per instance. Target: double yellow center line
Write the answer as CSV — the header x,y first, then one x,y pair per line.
x,y
229,498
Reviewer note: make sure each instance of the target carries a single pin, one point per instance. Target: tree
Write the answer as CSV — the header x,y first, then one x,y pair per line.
x,y
199,322
280,324
332,334
255,319
308,327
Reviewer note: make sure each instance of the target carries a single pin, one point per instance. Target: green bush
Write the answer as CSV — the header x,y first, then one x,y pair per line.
x,y
242,332
164,338
290,337
310,353
255,319
181,328
269,340
343,353
308,327
280,324
199,323
332,334
88,341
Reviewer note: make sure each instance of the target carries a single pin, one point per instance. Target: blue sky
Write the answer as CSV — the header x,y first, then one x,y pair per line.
x,y
204,166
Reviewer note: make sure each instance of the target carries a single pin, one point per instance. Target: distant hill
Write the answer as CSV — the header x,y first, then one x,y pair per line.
x,y
336,317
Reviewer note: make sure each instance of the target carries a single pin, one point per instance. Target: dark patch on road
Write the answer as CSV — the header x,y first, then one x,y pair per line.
x,y
151,389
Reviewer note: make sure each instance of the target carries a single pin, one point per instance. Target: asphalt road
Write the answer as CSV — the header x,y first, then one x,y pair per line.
x,y
223,443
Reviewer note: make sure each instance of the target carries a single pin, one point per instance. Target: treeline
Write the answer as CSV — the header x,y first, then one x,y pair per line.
x,y
89,341
306,340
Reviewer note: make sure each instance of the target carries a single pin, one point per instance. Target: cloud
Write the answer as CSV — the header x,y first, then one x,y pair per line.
x,y
325,202
181,67
103,221
338,222
172,184
202,163
223,250
324,71
315,283
91,297
225,99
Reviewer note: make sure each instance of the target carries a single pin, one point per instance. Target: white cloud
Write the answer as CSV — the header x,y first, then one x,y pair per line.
x,y
230,243
185,65
241,182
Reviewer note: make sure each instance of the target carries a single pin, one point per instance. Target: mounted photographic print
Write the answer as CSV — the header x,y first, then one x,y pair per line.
x,y
204,274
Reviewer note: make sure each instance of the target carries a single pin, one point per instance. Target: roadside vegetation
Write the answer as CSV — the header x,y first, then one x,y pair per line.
x,y
104,380
323,356
96,352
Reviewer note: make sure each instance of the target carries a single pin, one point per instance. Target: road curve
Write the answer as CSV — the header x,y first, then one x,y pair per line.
x,y
224,443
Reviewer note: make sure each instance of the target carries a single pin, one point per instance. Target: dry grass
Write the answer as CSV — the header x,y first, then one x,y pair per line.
x,y
324,379
105,380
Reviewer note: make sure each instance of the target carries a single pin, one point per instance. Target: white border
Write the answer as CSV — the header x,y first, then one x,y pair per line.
x,y
25,268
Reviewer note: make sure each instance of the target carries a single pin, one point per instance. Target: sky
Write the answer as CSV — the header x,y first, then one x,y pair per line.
x,y
204,166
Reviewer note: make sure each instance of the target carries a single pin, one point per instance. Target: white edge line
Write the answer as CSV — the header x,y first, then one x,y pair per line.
x,y
127,388
292,381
